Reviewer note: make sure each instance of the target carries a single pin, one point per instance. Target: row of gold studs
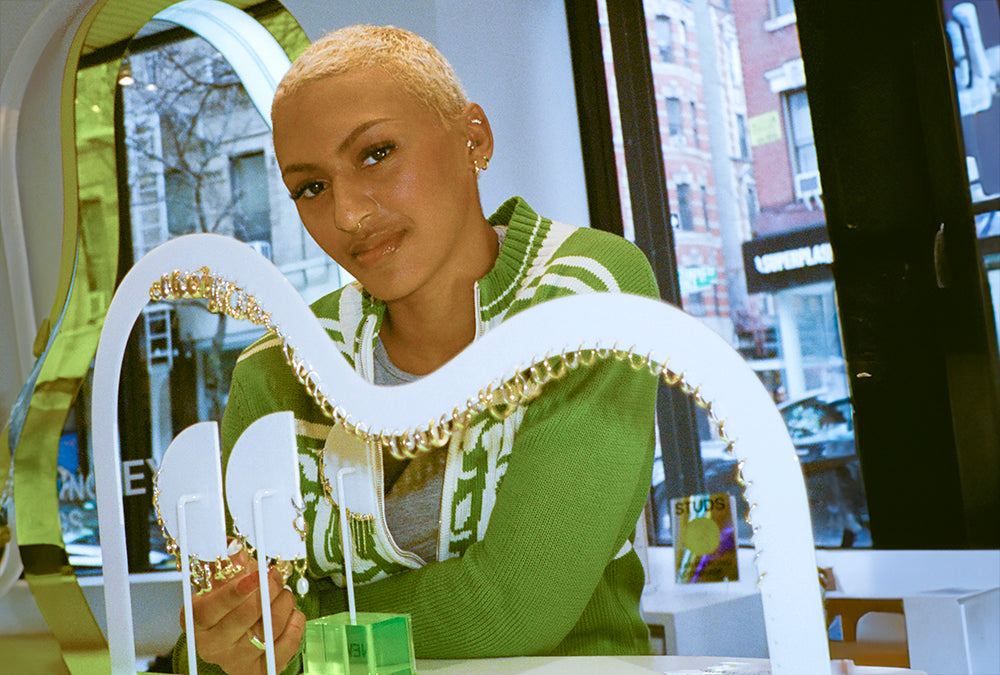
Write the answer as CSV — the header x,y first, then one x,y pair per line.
x,y
224,297
501,401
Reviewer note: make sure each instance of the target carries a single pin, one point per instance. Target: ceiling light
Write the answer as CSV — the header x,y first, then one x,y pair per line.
x,y
125,78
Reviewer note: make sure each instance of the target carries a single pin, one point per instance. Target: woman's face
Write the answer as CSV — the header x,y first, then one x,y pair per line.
x,y
381,183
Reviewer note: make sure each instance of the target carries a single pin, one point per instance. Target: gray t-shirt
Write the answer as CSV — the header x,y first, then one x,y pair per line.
x,y
413,502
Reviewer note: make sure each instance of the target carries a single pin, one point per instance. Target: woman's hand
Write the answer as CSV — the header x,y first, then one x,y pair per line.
x,y
229,616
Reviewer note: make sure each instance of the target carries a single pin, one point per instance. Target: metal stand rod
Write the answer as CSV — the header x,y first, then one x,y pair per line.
x,y
182,542
265,594
346,545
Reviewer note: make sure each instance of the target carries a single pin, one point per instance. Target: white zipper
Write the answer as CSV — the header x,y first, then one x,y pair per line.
x,y
453,461
366,352
402,557
479,322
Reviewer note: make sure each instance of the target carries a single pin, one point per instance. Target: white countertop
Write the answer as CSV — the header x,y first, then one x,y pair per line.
x,y
630,665
897,574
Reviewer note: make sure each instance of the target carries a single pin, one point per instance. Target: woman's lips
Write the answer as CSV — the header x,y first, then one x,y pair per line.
x,y
374,247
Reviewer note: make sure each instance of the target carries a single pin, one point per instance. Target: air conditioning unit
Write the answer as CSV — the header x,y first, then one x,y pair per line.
x,y
807,187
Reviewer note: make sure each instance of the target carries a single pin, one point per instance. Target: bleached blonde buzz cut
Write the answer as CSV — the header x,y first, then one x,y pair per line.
x,y
409,59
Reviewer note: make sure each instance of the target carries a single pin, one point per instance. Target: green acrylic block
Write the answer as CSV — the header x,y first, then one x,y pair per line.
x,y
377,644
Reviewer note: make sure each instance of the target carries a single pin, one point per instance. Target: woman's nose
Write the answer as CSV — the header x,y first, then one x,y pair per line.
x,y
353,204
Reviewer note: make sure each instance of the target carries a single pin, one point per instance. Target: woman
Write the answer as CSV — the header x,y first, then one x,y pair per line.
x,y
514,539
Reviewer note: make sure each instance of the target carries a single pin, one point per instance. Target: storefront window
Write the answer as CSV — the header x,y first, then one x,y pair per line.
x,y
198,159
759,271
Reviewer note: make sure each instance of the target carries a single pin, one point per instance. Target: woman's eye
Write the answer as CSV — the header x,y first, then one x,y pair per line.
x,y
377,154
308,190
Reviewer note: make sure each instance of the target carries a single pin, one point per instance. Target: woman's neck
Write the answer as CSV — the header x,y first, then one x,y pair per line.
x,y
419,340
422,333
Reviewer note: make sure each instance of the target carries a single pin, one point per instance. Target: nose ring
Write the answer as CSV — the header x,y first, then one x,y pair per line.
x,y
361,220
355,228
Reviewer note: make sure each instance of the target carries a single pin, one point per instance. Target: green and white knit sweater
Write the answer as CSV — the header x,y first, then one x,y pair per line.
x,y
538,510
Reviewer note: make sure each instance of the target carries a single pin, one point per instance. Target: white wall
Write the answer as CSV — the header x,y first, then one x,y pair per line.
x,y
514,59
15,18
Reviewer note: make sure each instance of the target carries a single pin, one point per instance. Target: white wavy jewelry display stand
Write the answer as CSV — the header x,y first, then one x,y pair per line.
x,y
786,563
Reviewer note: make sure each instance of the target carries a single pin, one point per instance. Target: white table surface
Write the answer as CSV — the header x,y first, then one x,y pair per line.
x,y
865,573
627,665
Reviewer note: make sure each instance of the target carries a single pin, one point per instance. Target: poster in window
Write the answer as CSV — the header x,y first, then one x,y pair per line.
x,y
704,538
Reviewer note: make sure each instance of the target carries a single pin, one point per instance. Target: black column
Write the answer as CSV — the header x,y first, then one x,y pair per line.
x,y
918,331
594,112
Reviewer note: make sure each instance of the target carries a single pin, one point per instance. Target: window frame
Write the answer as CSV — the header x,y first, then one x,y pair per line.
x,y
685,214
675,119
826,60
805,182
664,26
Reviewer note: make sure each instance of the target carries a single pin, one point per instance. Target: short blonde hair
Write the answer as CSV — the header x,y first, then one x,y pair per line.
x,y
409,59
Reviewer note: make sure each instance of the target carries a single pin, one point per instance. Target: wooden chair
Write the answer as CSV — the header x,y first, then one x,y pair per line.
x,y
871,631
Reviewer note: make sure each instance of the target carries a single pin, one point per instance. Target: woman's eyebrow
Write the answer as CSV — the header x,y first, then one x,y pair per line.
x,y
294,168
351,137
358,130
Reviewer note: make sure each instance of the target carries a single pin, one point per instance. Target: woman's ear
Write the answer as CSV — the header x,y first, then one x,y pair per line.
x,y
479,135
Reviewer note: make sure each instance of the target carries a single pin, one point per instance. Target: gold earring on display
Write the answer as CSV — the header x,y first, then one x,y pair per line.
x,y
202,571
301,565
477,168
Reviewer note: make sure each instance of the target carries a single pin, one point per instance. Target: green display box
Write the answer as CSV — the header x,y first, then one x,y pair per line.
x,y
377,644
